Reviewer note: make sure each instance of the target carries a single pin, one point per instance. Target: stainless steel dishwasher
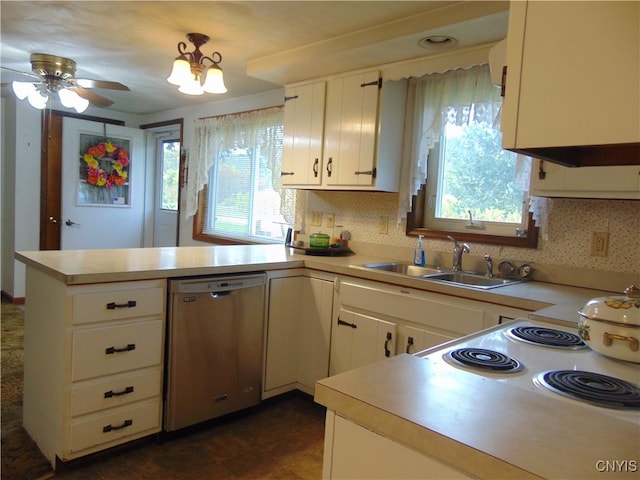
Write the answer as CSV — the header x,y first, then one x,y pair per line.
x,y
215,338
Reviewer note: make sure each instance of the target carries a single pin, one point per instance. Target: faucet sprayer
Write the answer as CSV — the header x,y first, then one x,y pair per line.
x,y
458,250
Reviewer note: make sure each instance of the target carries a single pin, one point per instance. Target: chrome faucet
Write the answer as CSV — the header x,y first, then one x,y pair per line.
x,y
458,250
489,260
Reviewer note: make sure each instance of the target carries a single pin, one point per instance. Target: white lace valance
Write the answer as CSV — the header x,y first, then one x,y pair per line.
x,y
457,96
211,135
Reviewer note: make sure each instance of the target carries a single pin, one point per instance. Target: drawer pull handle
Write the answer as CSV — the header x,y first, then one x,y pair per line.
x,y
111,393
109,428
128,348
114,305
409,343
347,324
387,352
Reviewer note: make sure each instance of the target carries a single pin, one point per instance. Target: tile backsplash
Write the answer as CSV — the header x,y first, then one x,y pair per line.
x,y
571,224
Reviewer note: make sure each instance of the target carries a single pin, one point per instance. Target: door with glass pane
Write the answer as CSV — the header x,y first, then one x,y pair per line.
x,y
165,224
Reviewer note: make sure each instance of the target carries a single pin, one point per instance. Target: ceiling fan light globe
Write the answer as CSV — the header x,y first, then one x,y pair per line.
x,y
181,72
22,89
81,104
192,87
214,81
68,98
37,100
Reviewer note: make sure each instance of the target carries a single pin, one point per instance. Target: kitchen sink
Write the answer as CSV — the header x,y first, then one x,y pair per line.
x,y
465,279
402,268
471,280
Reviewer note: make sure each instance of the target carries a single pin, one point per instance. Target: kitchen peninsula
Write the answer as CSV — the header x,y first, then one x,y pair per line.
x,y
65,318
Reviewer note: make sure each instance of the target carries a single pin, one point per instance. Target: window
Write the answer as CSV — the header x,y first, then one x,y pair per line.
x,y
473,190
170,164
243,201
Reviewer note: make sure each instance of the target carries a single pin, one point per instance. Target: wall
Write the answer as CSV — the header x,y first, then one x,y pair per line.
x,y
571,222
21,132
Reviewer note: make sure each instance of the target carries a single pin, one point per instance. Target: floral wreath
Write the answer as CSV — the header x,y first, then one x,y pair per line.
x,y
120,165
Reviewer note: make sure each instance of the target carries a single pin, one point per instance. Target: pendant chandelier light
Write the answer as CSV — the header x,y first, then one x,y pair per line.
x,y
188,68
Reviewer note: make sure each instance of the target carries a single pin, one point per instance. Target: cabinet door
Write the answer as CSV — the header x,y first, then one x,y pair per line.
x,y
359,340
412,340
303,134
350,133
592,182
299,331
282,331
314,337
573,74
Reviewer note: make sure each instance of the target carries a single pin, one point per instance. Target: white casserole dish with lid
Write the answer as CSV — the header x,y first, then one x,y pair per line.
x,y
611,325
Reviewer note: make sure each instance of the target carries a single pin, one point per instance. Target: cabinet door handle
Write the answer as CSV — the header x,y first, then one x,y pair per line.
x,y
503,81
347,324
409,343
282,174
111,393
128,348
114,305
109,428
367,172
377,83
316,163
387,352
329,166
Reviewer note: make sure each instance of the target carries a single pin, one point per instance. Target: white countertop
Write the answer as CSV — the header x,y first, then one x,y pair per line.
x,y
75,267
482,426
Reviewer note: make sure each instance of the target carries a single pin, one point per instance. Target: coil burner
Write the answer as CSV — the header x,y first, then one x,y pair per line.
x,y
482,359
590,387
547,337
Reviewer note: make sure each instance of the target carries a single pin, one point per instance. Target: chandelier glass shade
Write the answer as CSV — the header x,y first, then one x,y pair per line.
x,y
189,67
38,95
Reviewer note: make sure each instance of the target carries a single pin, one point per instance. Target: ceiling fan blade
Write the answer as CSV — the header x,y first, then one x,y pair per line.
x,y
20,72
94,98
87,83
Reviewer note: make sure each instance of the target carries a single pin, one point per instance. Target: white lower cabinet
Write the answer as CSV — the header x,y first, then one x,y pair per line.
x,y
298,331
354,452
93,364
359,339
374,320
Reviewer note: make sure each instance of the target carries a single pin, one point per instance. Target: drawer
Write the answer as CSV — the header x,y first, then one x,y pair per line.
x,y
114,391
115,426
414,306
108,350
118,304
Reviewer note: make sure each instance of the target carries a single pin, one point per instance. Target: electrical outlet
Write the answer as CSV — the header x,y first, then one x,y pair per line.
x,y
599,244
316,219
383,225
331,220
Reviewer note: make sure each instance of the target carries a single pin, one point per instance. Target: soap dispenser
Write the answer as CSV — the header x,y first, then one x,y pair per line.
x,y
418,257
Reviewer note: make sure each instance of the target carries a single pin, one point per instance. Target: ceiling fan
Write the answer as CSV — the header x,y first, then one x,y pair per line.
x,y
56,75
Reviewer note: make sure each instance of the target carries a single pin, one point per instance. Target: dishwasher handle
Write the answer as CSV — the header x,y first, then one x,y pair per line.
x,y
224,293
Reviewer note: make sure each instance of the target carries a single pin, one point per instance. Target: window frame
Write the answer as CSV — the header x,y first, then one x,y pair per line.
x,y
416,219
199,218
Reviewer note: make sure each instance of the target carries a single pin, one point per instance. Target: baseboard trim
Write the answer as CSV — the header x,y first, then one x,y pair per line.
x,y
11,299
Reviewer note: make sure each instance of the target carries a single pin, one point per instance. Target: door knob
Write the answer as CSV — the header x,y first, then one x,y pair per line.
x,y
54,220
68,223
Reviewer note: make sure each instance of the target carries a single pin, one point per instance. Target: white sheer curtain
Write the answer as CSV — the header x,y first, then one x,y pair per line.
x,y
256,128
454,96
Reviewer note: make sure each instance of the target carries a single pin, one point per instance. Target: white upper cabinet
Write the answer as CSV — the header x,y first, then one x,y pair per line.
x,y
572,85
348,139
303,134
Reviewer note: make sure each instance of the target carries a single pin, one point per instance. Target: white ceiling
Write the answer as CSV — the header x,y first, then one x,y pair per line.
x,y
263,44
